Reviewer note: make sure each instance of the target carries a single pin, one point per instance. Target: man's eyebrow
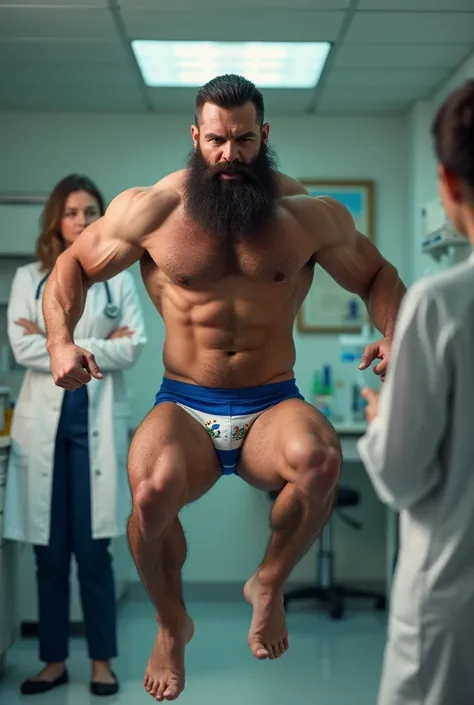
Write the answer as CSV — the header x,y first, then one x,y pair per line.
x,y
213,135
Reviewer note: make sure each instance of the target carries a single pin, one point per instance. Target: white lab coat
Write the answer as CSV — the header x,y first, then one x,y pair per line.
x,y
419,453
37,411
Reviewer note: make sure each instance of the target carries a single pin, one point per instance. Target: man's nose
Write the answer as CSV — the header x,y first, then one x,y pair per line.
x,y
230,152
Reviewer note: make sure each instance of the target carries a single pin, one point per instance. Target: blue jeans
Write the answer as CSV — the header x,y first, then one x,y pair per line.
x,y
71,533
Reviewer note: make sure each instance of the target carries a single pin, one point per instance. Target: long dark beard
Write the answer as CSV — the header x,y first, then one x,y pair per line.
x,y
229,207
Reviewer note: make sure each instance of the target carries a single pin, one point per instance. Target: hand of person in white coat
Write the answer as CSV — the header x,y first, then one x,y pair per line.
x,y
372,399
30,327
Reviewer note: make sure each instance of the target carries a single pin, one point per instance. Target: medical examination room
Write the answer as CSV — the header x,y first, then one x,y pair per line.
x,y
236,345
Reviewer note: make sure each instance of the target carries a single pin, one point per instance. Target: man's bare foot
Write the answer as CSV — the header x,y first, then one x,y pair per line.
x,y
268,635
164,677
51,672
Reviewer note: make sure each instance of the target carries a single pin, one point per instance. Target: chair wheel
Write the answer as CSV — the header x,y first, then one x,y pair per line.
x,y
381,604
336,611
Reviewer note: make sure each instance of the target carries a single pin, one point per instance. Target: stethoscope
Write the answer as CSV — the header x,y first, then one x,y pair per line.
x,y
111,310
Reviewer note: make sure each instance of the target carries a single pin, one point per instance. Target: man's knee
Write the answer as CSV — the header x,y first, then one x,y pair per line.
x,y
159,495
314,463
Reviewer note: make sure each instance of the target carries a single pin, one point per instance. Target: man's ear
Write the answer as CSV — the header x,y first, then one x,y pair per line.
x,y
265,132
195,135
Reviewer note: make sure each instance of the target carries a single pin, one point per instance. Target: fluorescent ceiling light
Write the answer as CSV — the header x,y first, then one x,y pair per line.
x,y
267,64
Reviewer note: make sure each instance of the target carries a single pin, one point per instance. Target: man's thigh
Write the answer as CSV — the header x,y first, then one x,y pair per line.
x,y
290,424
171,446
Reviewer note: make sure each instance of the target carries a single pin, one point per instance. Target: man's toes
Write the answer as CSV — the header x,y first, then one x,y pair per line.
x,y
157,692
153,687
160,693
172,691
286,644
259,650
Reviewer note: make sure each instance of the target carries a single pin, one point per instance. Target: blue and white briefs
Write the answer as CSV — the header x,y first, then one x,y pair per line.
x,y
226,414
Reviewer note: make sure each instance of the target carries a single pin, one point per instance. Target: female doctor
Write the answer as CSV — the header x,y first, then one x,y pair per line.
x,y
67,488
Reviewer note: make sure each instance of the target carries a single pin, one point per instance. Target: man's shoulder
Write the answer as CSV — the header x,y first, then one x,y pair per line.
x,y
142,209
324,216
288,186
294,194
171,185
164,193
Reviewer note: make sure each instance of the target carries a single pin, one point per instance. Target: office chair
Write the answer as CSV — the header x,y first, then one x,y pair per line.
x,y
326,589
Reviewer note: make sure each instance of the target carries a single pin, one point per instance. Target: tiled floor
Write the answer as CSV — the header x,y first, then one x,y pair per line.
x,y
329,663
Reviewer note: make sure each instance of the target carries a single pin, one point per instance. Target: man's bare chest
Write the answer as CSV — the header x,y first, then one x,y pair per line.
x,y
194,259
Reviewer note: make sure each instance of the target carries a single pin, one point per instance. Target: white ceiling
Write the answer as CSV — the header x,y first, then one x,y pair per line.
x,y
66,55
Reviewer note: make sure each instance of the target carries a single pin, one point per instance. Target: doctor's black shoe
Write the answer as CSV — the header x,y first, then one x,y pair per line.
x,y
36,687
104,689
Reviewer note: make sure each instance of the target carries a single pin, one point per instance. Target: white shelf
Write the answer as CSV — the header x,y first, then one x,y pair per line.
x,y
440,243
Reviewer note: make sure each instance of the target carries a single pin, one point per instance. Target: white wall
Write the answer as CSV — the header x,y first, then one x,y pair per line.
x,y
121,151
423,166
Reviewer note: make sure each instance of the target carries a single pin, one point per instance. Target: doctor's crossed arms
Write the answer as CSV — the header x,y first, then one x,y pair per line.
x,y
31,328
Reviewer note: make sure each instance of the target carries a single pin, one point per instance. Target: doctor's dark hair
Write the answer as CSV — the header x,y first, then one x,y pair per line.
x,y
453,132
50,243
229,91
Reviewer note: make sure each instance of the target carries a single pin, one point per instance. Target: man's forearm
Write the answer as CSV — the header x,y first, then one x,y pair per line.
x,y
63,300
384,299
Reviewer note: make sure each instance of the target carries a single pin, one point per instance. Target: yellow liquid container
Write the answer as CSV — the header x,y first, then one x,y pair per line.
x,y
7,422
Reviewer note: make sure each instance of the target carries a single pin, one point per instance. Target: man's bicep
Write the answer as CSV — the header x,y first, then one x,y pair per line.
x,y
103,254
112,243
353,262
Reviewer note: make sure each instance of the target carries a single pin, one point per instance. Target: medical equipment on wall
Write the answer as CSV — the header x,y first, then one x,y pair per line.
x,y
439,238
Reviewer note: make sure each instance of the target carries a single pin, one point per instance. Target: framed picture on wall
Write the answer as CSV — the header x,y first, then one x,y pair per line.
x,y
328,308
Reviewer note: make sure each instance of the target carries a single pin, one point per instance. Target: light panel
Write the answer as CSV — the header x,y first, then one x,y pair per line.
x,y
267,64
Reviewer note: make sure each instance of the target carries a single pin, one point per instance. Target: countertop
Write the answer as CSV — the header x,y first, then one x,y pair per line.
x,y
350,429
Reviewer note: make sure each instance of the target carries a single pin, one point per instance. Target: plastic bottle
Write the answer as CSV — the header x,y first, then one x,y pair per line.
x,y
321,391
352,404
358,402
346,394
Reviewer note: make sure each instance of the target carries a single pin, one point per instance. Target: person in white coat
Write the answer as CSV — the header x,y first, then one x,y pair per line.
x,y
419,452
67,488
